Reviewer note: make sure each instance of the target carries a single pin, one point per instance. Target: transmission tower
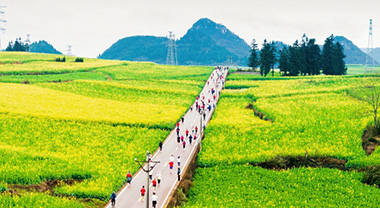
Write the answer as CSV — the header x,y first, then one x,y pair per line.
x,y
3,22
171,58
369,48
27,42
68,51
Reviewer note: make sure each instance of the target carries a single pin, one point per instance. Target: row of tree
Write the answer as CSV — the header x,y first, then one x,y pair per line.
x,y
18,45
305,58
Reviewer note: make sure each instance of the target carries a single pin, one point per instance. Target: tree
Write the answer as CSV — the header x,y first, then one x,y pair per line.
x,y
340,65
253,60
294,64
266,58
332,58
313,58
273,58
18,45
284,61
369,90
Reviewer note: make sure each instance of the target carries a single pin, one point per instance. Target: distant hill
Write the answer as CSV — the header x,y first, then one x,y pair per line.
x,y
375,54
138,48
354,55
43,47
205,43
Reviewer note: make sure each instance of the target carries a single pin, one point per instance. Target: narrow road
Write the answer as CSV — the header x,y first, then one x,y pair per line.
x,y
129,195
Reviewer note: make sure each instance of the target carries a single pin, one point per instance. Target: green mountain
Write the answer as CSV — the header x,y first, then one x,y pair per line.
x,y
354,55
138,48
43,47
205,43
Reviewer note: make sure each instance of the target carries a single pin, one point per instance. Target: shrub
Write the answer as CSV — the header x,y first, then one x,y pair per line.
x,y
372,175
79,60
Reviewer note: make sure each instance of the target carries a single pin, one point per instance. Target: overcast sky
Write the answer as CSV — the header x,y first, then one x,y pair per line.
x,y
92,26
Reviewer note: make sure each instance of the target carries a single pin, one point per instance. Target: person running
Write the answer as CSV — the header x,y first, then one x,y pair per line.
x,y
178,139
179,161
179,174
113,199
184,145
171,163
187,132
177,131
204,116
183,119
154,183
195,139
129,177
196,129
142,191
182,138
190,139
160,145
150,174
159,178
178,124
154,200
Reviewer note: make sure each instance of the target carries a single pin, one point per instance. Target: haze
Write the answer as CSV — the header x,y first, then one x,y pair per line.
x,y
93,26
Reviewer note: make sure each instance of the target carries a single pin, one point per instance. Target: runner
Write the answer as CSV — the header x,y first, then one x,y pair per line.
x,y
171,163
154,200
160,145
179,174
178,139
154,183
190,139
142,191
150,174
113,199
177,131
187,132
183,119
184,145
179,161
159,178
196,129
195,139
129,178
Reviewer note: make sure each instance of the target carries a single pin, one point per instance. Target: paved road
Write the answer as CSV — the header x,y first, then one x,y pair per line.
x,y
129,195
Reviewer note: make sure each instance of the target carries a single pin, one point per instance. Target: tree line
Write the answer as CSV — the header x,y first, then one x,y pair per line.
x,y
301,58
18,45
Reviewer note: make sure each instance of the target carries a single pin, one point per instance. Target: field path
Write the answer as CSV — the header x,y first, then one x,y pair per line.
x,y
129,195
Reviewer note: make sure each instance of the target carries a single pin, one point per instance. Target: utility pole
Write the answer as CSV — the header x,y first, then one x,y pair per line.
x,y
150,165
369,48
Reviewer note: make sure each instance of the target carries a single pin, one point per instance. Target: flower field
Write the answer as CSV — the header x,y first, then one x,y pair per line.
x,y
316,114
247,186
84,121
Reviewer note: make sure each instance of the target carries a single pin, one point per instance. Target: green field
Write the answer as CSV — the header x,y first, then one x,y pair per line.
x,y
84,122
318,114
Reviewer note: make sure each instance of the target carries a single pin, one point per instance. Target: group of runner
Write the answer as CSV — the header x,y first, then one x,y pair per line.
x,y
201,105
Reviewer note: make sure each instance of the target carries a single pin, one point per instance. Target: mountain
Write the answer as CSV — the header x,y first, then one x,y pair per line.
x,y
205,43
353,53
375,53
43,47
209,43
138,48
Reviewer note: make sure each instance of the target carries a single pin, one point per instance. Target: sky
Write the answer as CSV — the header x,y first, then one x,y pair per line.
x,y
92,26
